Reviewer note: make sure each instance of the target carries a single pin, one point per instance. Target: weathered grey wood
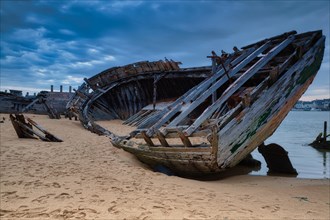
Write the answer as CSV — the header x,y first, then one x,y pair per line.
x,y
181,149
148,119
229,116
26,108
95,97
174,133
264,109
219,112
217,85
171,110
238,83
154,92
142,117
134,117
268,111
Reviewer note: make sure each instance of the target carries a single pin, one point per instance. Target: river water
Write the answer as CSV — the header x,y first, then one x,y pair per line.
x,y
297,130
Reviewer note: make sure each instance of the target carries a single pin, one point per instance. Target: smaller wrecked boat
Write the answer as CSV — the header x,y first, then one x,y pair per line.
x,y
51,103
321,141
202,120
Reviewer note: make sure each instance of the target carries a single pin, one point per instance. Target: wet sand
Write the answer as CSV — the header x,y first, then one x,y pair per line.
x,y
85,177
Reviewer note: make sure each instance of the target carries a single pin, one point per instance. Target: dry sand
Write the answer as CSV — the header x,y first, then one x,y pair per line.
x,y
85,177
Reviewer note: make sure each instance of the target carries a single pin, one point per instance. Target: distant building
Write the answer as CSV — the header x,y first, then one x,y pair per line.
x,y
323,105
16,92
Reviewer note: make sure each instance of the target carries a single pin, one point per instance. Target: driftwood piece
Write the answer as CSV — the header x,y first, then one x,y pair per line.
x,y
22,128
25,129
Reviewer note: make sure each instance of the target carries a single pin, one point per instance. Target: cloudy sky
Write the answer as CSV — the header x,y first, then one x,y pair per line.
x,y
57,43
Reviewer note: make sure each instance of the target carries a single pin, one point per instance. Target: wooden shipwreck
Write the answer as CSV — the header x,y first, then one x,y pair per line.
x,y
202,120
51,103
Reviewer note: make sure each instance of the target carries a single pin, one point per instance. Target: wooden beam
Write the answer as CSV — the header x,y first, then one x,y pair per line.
x,y
162,139
214,141
217,85
147,139
203,149
48,135
167,113
185,140
238,83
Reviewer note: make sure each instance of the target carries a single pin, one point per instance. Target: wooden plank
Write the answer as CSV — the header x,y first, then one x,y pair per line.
x,y
133,117
21,133
238,83
162,139
174,133
48,135
204,149
27,108
217,85
32,131
154,98
147,139
172,109
214,141
185,140
141,118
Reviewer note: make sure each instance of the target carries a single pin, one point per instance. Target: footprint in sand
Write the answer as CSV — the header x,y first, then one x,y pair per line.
x,y
63,196
56,185
78,191
5,194
11,195
274,208
43,199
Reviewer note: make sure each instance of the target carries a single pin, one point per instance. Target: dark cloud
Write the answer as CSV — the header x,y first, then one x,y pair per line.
x,y
61,42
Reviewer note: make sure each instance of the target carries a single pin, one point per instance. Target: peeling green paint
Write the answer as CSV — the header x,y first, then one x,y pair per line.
x,y
261,120
304,76
312,69
238,145
289,91
264,116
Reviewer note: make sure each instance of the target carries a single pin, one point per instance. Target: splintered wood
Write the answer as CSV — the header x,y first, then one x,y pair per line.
x,y
24,129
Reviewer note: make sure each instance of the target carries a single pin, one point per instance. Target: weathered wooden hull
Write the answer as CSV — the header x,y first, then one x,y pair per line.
x,y
234,110
16,104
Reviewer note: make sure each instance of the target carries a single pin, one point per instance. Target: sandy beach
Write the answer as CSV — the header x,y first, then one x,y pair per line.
x,y
85,177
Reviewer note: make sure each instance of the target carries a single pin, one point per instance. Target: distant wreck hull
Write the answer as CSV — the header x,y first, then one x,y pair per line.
x,y
17,104
231,107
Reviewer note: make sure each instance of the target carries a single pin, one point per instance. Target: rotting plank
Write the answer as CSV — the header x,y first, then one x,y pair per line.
x,y
217,85
162,139
147,139
238,83
194,92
